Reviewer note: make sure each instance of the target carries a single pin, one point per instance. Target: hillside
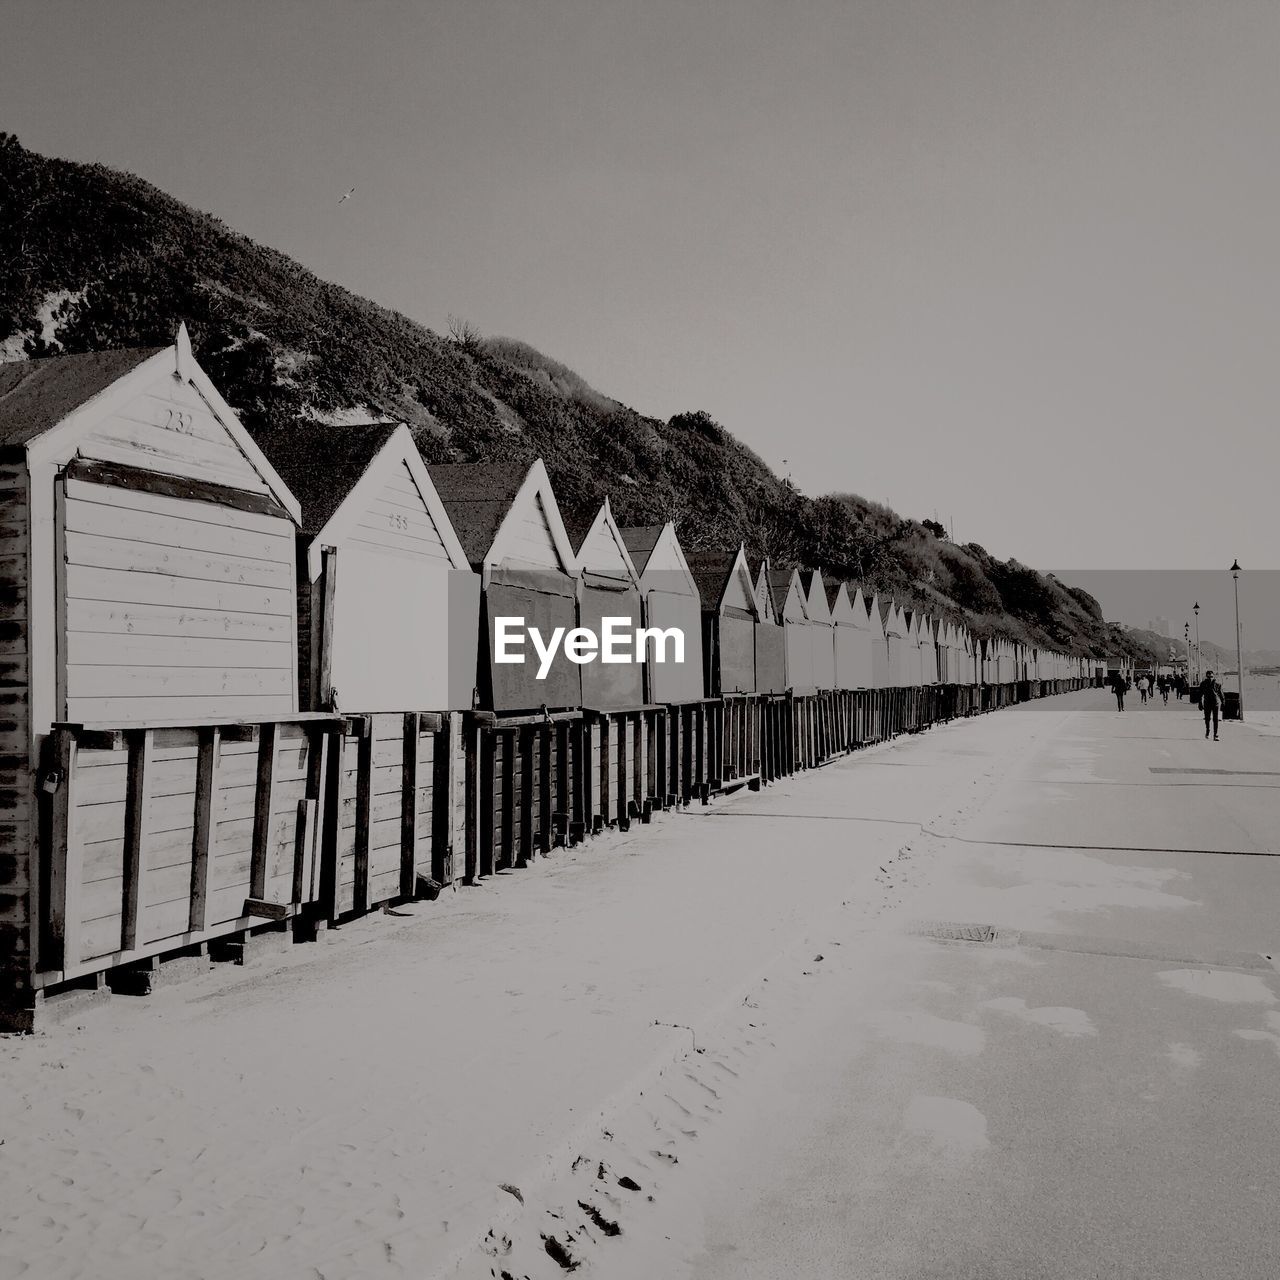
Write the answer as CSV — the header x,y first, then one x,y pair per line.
x,y
92,258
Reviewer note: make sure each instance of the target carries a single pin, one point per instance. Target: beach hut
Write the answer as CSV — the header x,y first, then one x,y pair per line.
x,y
149,660
388,603
618,723
943,633
388,611
671,602
509,524
729,618
822,630
928,650
789,601
529,767
771,660
855,663
877,615
911,649
776,742
896,644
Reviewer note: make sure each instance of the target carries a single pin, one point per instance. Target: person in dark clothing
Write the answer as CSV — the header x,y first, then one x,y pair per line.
x,y
1210,701
1165,682
1117,687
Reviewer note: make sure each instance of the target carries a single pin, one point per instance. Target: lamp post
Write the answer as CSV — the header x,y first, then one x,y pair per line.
x,y
1196,610
1235,582
1186,641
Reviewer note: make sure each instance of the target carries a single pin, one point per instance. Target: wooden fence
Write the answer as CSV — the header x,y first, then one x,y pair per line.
x,y
157,838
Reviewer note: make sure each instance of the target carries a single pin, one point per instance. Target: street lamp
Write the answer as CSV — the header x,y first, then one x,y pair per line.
x,y
1186,641
1235,581
1196,610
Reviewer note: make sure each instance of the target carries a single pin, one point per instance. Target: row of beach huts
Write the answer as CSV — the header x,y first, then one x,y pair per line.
x,y
252,683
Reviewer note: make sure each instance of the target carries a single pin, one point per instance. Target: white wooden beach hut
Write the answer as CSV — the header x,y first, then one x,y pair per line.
x,y
729,616
928,649
388,603
619,728
771,658
878,615
671,600
789,600
822,629
855,664
388,610
509,524
608,587
150,583
896,642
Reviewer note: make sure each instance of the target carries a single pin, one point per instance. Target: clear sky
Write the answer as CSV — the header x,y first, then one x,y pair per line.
x,y
1010,262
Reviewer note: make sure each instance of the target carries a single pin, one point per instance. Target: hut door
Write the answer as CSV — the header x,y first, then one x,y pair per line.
x,y
171,608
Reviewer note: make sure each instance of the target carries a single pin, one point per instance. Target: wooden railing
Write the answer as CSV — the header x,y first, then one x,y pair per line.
x,y
163,835
158,837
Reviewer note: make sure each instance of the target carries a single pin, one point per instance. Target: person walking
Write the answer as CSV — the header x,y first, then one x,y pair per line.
x,y
1210,701
1142,689
1117,687
1164,689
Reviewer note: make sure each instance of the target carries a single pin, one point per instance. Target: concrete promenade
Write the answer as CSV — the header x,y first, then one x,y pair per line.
x,y
730,1044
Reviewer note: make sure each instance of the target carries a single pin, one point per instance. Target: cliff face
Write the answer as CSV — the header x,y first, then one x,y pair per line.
x,y
91,258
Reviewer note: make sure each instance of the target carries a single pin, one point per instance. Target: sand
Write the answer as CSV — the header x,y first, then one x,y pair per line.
x,y
501,1081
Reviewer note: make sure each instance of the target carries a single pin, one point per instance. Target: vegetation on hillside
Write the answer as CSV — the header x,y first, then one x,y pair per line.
x,y
92,258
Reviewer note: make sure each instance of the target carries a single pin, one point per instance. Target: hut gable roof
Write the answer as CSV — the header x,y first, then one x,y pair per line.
x,y
659,559
505,512
477,496
151,410
875,616
577,525
815,595
36,395
322,464
340,472
603,549
895,623
842,607
763,593
723,580
641,541
788,595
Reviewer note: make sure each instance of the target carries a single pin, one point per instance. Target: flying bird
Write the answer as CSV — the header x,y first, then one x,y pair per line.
x,y
348,195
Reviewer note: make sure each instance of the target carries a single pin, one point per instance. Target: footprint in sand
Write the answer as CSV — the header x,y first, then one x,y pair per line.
x,y
1067,1022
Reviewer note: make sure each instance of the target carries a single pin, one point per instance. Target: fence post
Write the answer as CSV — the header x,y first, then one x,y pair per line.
x,y
409,806
66,869
207,761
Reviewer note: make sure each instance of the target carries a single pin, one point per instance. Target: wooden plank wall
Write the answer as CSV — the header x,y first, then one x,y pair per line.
x,y
391,802
170,429
170,600
167,833
18,908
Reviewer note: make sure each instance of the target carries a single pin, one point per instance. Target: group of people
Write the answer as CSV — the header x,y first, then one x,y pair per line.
x,y
1210,689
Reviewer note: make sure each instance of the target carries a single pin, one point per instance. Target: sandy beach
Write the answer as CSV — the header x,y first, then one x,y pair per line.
x,y
582,1059
277,1118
